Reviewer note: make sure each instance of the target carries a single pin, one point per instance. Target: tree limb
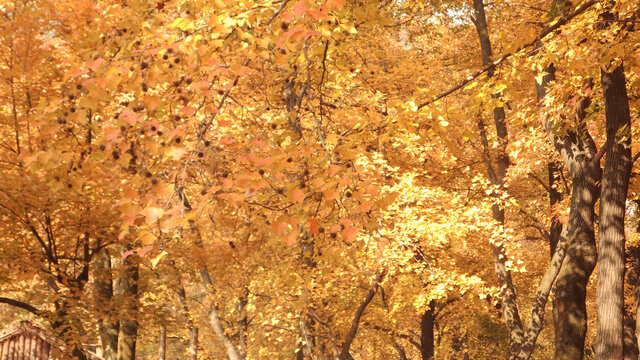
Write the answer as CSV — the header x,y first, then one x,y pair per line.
x,y
19,304
562,21
537,313
344,354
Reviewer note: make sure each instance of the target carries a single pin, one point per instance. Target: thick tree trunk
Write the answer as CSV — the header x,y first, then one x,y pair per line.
x,y
108,326
128,293
611,249
162,348
426,333
510,310
570,311
578,151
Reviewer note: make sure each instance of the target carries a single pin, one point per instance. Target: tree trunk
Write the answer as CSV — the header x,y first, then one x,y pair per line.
x,y
555,230
426,336
108,326
162,348
214,317
630,341
510,310
633,280
611,244
570,311
128,293
346,345
578,151
193,343
243,321
555,196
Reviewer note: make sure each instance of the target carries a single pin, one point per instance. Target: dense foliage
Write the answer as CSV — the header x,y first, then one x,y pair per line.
x,y
321,179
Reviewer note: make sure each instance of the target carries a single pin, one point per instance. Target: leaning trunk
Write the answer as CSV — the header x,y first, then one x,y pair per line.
x,y
611,244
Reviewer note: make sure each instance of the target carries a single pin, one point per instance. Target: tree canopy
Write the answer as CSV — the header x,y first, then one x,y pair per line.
x,y
301,179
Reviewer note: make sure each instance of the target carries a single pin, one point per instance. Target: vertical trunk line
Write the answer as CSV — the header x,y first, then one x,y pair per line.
x,y
611,242
510,310
162,348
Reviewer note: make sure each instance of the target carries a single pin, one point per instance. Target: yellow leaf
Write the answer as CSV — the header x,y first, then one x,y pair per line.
x,y
156,260
176,153
182,24
147,238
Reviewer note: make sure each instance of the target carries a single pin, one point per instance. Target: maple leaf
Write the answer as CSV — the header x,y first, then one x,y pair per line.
x,y
299,8
152,214
296,195
291,238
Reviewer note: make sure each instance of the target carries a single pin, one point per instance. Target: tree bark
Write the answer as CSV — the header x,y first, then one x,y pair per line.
x,y
630,341
555,196
193,330
108,327
426,333
162,348
537,313
193,343
578,151
128,293
611,242
510,310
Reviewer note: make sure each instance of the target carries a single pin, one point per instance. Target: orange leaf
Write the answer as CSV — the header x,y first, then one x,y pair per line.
x,y
188,110
296,195
333,169
129,116
279,228
313,226
95,65
299,9
364,207
291,238
317,14
329,195
350,233
152,102
176,152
